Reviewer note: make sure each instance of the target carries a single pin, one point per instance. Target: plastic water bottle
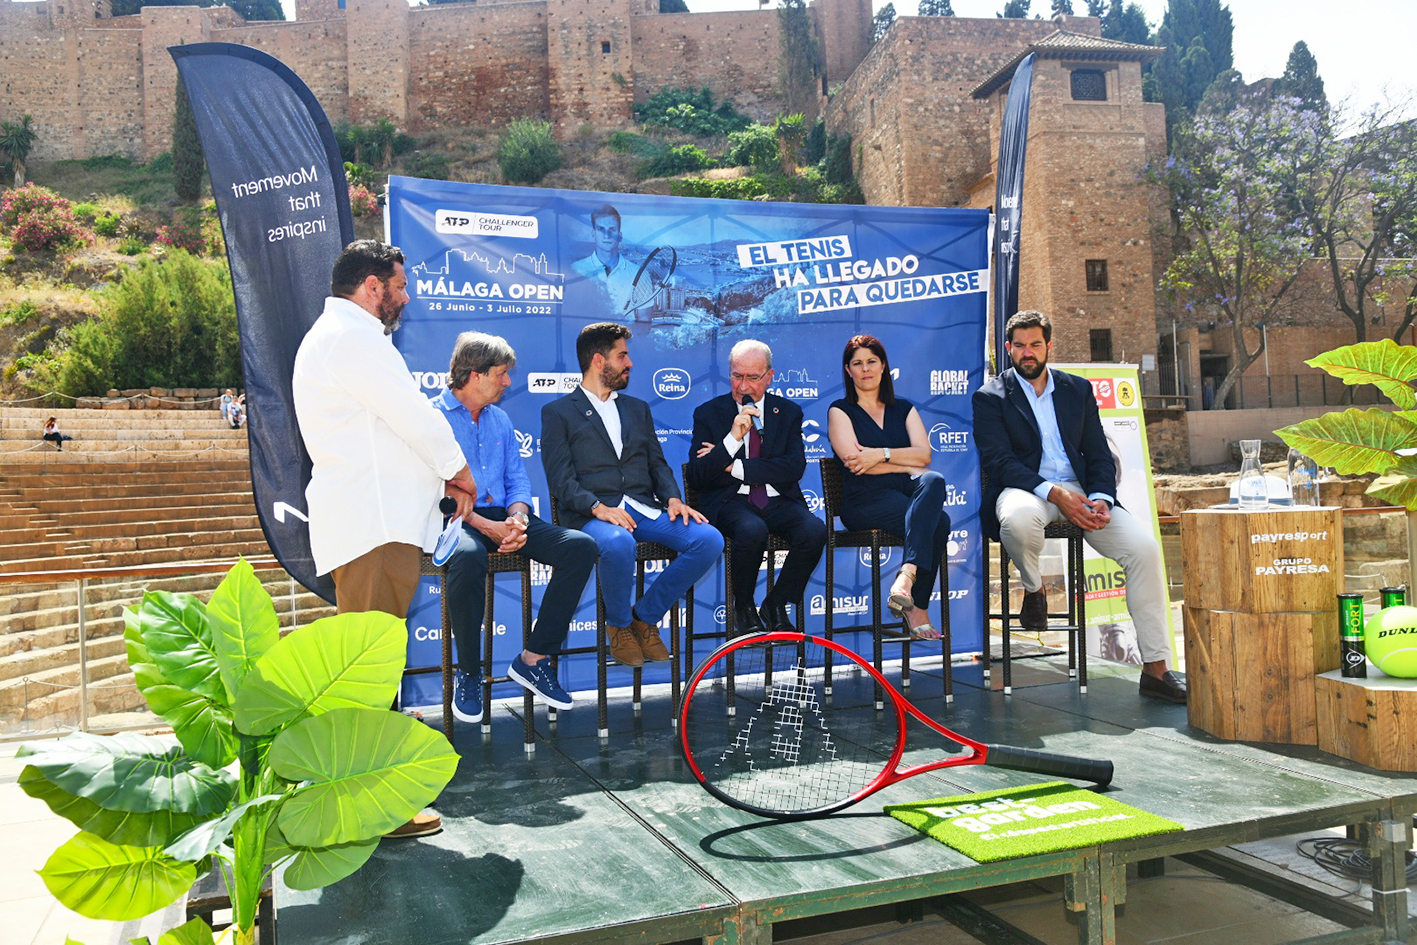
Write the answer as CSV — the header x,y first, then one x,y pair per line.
x,y
1303,479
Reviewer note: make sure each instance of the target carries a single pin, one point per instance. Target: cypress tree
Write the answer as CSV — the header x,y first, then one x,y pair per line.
x,y
1301,79
188,163
936,8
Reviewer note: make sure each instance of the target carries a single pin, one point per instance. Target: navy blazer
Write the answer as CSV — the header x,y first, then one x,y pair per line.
x,y
580,461
1011,448
780,464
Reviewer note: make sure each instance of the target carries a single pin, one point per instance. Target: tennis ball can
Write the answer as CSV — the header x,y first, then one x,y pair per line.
x,y
1350,629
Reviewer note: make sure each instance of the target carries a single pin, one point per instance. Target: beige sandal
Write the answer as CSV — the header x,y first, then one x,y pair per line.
x,y
926,632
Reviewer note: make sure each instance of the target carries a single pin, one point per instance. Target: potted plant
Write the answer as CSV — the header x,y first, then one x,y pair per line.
x,y
284,752
1355,442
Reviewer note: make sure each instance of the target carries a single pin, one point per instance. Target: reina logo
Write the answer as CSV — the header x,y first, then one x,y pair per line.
x,y
672,383
865,556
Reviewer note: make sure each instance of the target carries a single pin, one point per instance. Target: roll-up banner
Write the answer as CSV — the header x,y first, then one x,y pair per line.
x,y
281,196
1008,203
1110,633
804,278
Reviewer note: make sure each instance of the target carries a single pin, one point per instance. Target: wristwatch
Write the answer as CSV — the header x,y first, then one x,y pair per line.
x,y
887,451
522,516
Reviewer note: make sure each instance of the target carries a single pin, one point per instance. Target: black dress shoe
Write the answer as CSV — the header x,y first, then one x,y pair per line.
x,y
746,620
775,616
1171,687
1034,612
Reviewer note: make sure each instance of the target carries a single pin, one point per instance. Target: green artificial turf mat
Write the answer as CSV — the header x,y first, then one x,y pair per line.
x,y
1024,821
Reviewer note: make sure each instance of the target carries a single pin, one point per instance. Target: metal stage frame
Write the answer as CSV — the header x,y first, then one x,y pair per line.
x,y
589,841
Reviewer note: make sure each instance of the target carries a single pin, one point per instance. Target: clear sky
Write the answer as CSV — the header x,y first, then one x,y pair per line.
x,y
1361,46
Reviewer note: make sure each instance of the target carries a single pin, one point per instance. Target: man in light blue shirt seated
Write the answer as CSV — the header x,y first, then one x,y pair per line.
x,y
501,520
1045,457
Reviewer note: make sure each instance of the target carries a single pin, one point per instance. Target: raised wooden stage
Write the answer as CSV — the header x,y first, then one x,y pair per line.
x,y
590,841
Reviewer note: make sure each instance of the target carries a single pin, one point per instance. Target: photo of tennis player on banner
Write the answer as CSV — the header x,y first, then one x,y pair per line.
x,y
630,292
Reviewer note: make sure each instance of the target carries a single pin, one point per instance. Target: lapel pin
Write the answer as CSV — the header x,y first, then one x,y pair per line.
x,y
587,413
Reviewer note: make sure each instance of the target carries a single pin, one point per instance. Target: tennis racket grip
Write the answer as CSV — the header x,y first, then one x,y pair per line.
x,y
1043,762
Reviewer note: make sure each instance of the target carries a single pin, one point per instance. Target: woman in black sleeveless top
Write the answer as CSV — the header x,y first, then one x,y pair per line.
x,y
887,483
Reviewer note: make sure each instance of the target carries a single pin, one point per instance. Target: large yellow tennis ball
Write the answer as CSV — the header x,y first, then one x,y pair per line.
x,y
1390,640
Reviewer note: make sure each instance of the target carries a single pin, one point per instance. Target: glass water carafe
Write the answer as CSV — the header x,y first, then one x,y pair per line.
x,y
1254,492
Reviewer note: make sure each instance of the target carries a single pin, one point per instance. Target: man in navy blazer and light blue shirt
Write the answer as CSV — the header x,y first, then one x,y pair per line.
x,y
747,465
1045,456
605,467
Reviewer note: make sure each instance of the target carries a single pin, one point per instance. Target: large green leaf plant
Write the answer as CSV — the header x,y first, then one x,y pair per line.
x,y
284,752
1356,442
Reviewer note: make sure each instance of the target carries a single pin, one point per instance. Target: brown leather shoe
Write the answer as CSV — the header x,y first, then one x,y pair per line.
x,y
1034,612
651,645
422,824
624,648
1171,687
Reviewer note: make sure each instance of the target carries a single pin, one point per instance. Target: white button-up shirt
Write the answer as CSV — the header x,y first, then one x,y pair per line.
x,y
381,450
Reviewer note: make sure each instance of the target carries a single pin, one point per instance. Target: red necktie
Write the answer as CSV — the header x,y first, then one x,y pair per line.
x,y
757,494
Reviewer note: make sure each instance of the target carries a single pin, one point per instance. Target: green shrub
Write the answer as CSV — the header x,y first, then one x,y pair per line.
x,y
816,146
40,220
162,163
18,313
681,160
106,224
836,162
357,174
692,112
754,146
528,152
86,211
169,323
131,246
429,165
627,142
113,161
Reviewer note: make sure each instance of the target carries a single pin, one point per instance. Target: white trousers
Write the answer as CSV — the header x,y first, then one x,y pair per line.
x,y
1125,539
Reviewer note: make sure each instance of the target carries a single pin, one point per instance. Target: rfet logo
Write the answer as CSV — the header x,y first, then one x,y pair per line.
x,y
945,439
1105,393
672,383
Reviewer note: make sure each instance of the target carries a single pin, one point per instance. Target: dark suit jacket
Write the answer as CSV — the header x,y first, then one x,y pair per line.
x,y
1011,448
581,465
780,464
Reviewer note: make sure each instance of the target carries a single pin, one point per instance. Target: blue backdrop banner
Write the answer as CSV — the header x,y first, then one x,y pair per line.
x,y
692,278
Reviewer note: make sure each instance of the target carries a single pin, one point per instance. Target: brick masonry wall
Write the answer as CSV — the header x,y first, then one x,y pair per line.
x,y
845,30
590,62
734,54
478,64
377,34
315,50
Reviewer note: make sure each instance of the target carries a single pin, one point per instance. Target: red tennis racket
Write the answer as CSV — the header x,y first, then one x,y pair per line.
x,y
759,733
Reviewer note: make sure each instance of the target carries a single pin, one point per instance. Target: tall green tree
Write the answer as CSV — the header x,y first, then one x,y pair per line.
x,y
1198,36
1236,257
1126,22
1015,10
1096,7
189,164
798,58
936,8
1301,79
17,139
1063,7
882,21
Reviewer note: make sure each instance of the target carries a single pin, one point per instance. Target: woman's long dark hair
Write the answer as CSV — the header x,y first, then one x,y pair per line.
x,y
873,344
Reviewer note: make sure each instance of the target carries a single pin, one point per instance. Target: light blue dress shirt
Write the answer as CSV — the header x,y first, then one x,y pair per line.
x,y
1055,466
492,452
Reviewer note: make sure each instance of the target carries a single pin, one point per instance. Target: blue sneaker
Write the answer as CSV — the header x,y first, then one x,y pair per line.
x,y
467,697
538,678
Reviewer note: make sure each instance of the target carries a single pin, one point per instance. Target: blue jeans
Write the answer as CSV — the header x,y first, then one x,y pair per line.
x,y
699,546
571,556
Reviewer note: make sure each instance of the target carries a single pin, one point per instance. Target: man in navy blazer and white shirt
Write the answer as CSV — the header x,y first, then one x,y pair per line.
x,y
1045,456
605,467
747,467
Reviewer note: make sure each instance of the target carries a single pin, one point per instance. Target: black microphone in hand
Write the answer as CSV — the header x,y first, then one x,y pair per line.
x,y
757,418
447,505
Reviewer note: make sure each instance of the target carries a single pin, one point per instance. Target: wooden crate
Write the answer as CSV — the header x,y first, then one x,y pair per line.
x,y
1371,721
1287,560
1251,676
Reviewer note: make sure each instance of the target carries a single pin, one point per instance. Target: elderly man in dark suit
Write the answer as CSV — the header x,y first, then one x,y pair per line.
x,y
747,467
1042,448
605,467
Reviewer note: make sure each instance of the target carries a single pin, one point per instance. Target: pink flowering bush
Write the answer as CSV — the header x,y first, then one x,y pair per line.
x,y
362,202
40,220
184,232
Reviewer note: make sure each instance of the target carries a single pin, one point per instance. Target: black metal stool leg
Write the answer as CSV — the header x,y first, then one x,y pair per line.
x,y
447,648
946,640
528,701
1080,595
876,625
1007,617
602,700
488,627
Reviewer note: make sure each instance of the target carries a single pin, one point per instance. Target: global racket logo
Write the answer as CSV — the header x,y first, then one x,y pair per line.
x,y
672,383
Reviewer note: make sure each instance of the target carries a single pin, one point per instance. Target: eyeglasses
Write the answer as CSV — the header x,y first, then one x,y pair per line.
x,y
750,378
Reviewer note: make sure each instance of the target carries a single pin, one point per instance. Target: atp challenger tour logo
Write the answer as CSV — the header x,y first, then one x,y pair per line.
x,y
1290,565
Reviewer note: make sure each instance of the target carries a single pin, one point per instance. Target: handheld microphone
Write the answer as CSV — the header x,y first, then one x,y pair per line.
x,y
447,505
757,419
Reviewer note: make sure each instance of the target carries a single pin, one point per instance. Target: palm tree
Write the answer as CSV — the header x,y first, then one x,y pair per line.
x,y
16,140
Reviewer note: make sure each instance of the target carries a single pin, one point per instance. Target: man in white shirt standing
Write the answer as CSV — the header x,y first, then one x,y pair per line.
x,y
382,454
